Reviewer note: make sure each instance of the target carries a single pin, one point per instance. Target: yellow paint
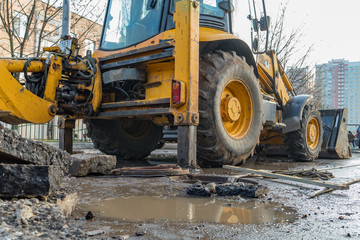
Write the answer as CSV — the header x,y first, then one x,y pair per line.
x,y
13,65
272,137
272,77
52,49
184,68
230,109
160,72
53,77
209,35
285,79
96,90
205,35
20,102
313,133
186,18
236,109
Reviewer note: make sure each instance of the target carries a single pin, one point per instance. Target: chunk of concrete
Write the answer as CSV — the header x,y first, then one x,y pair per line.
x,y
19,180
94,232
23,213
85,164
67,203
16,149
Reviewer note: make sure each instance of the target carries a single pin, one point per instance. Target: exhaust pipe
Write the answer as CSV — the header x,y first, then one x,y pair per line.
x,y
65,30
66,42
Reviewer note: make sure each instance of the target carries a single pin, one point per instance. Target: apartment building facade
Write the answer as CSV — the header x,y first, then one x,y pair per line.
x,y
24,24
340,83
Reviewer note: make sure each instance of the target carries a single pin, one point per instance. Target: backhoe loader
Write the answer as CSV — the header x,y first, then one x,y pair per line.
x,y
168,63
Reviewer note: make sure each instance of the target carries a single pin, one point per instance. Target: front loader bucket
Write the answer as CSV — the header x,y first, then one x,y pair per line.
x,y
335,140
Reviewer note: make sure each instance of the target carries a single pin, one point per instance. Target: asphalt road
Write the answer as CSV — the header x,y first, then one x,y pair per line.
x,y
334,215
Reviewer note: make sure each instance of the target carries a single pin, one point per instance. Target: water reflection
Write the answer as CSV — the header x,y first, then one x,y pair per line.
x,y
181,209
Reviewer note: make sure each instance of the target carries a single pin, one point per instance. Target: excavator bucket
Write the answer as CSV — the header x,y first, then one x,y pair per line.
x,y
335,140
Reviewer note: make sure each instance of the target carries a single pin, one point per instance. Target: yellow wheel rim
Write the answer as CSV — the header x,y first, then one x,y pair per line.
x,y
313,133
236,109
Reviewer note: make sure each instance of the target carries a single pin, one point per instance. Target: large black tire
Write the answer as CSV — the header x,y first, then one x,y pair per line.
x,y
125,138
299,147
216,146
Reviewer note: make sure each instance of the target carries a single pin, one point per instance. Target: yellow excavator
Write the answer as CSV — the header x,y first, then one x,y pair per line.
x,y
170,63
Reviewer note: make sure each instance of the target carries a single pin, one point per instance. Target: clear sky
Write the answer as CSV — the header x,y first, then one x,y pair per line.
x,y
332,26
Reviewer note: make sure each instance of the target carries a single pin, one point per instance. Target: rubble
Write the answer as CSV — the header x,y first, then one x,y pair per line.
x,y
85,164
67,203
244,190
34,219
16,149
198,190
95,232
227,189
20,180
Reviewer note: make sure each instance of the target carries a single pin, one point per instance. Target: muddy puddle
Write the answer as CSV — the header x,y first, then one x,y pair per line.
x,y
183,209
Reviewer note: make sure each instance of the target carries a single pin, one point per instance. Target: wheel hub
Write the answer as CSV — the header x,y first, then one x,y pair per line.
x,y
236,108
231,109
312,133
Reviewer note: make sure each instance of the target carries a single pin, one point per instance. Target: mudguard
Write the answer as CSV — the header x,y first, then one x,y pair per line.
x,y
292,112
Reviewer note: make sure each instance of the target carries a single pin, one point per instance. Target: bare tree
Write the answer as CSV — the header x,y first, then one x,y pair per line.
x,y
29,25
12,16
24,21
49,12
294,55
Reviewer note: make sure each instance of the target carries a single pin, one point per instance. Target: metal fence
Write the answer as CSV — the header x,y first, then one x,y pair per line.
x,y
49,131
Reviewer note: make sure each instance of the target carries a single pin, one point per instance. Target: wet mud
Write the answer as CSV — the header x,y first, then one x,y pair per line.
x,y
158,208
190,209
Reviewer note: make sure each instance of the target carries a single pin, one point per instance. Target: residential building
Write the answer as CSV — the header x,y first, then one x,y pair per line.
x,y
87,31
340,83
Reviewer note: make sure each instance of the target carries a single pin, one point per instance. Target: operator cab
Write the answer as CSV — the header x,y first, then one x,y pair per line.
x,y
139,20
129,22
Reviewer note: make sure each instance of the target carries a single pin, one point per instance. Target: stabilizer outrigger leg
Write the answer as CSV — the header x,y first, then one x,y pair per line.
x,y
66,127
186,18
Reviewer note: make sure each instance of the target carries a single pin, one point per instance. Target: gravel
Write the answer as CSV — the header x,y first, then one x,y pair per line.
x,y
34,219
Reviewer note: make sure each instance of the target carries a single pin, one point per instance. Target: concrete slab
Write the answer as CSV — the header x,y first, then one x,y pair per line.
x,y
16,149
19,180
85,164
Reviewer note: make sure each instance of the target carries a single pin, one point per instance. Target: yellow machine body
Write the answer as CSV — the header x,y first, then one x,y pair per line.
x,y
19,105
170,60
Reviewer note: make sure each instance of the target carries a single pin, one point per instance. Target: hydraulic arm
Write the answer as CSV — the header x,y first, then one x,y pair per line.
x,y
60,84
